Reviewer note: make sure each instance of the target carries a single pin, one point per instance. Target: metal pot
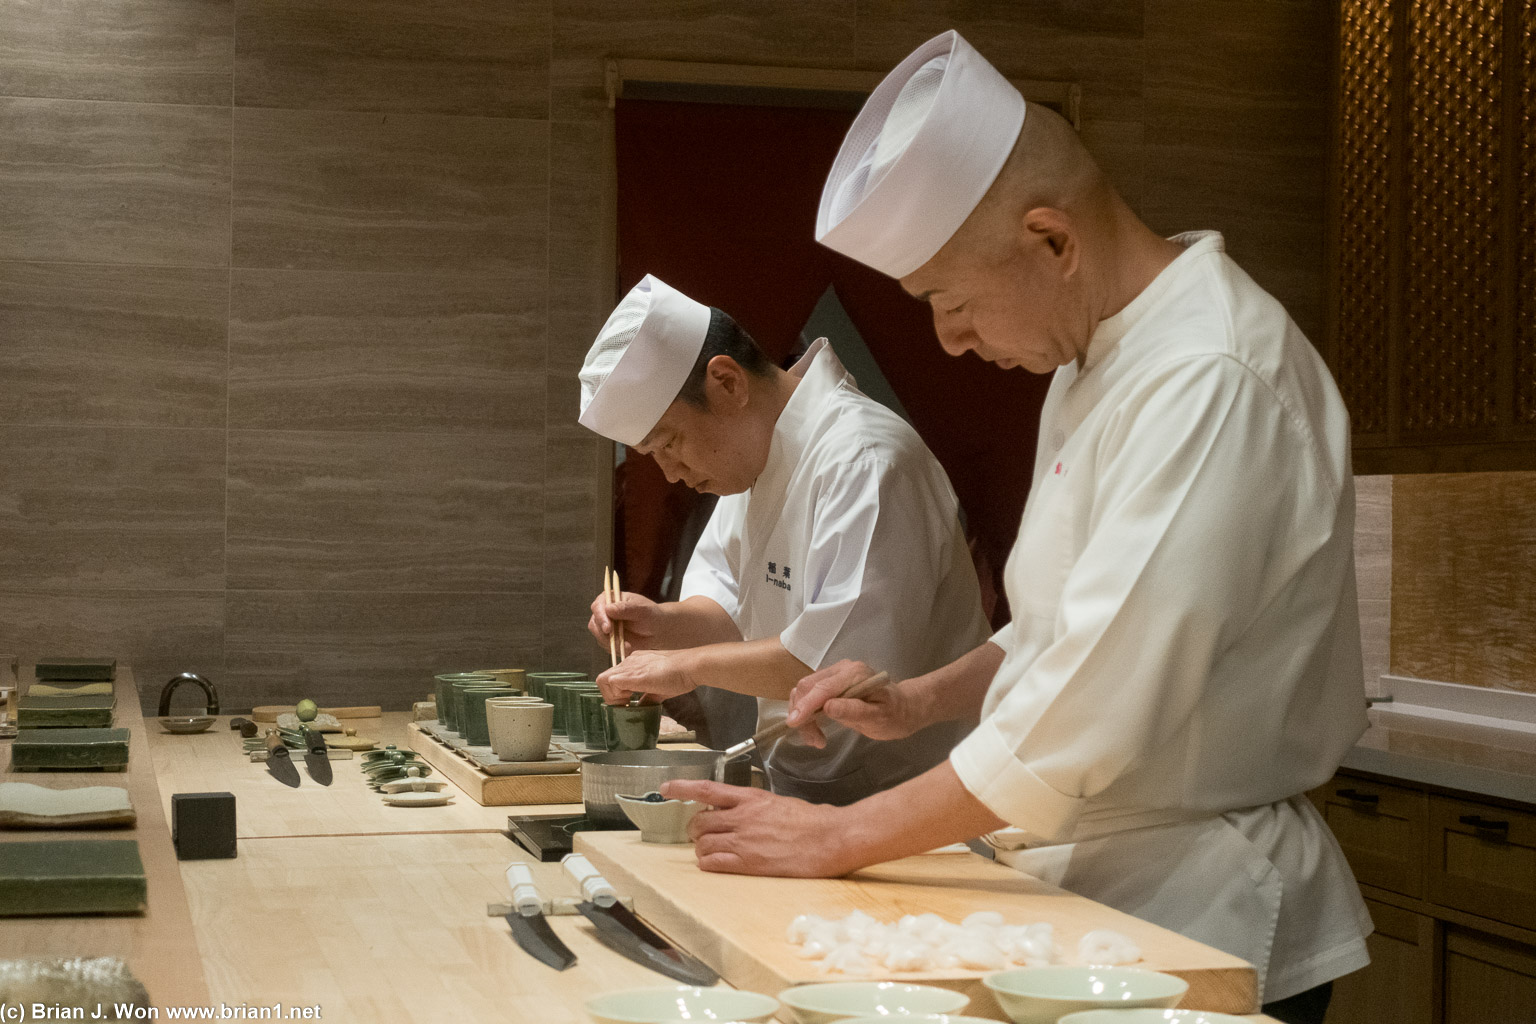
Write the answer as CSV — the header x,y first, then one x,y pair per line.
x,y
634,772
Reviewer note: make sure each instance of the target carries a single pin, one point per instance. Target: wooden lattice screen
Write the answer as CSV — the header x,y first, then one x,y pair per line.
x,y
1433,232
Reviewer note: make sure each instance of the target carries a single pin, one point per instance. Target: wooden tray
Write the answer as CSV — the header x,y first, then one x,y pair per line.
x,y
736,924
485,788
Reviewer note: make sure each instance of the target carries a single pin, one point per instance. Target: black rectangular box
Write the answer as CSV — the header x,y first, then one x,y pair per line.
x,y
203,825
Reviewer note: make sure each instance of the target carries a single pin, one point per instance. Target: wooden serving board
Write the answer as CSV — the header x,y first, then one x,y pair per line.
x,y
493,790
736,924
269,712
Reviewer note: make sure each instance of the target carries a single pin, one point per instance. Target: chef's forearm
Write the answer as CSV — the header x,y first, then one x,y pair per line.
x,y
694,622
758,668
958,689
927,812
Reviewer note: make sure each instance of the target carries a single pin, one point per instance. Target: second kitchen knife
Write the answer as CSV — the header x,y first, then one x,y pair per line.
x,y
278,762
625,933
529,927
316,758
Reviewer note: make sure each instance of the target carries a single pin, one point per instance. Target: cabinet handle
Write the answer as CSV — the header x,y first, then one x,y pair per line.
x,y
1482,824
1355,796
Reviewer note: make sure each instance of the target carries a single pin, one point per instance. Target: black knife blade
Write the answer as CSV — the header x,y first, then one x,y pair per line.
x,y
625,933
279,763
615,933
529,928
539,940
315,757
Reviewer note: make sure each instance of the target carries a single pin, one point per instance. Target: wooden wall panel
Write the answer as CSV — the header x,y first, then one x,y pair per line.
x,y
1463,566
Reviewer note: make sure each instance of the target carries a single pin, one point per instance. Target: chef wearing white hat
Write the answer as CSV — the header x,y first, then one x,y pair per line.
x,y
837,535
1184,659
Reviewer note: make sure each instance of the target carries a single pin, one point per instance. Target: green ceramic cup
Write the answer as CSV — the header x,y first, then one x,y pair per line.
x,y
632,726
575,728
594,726
476,733
445,698
555,691
536,681
456,697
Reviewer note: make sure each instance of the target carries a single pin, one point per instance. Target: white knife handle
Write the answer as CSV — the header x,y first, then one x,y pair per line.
x,y
525,895
594,887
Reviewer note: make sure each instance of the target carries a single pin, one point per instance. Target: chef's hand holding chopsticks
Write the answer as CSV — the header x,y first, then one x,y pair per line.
x,y
655,675
641,617
887,713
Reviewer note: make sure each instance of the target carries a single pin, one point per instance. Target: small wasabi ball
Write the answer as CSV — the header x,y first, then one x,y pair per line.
x,y
306,710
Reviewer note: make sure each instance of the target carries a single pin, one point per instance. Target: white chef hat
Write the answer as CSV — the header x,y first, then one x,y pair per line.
x,y
919,157
640,360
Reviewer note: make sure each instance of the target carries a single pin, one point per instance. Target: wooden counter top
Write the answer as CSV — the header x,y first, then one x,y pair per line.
x,y
159,945
372,912
215,761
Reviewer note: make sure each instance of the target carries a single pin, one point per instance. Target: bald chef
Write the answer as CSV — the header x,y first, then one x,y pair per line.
x,y
838,536
1184,659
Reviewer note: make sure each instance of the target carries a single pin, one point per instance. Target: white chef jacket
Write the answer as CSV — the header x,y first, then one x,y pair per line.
x,y
1184,657
848,545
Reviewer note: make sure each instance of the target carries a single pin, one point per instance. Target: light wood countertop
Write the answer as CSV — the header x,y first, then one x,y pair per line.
x,y
369,911
158,945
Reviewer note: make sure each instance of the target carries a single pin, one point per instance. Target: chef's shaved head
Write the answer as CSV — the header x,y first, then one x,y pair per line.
x,y
1049,251
1049,167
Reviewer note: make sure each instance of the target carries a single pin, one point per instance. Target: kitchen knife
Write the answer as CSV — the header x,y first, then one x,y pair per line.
x,y
278,762
529,927
316,758
625,933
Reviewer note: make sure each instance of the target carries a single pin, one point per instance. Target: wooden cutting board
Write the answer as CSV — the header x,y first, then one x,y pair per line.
x,y
737,923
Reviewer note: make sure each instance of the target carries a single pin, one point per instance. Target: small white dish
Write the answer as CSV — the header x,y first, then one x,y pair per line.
x,y
1043,995
411,798
660,821
839,1000
1150,1016
682,1003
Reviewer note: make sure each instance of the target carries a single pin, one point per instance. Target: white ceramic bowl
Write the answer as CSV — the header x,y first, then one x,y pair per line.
x,y
839,1000
661,821
1043,995
920,1018
1151,1016
683,1003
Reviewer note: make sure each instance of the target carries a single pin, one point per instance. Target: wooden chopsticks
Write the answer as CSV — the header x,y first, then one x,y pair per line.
x,y
616,633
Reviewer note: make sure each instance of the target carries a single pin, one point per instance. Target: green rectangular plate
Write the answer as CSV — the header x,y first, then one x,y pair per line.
x,y
70,748
71,876
80,670
69,712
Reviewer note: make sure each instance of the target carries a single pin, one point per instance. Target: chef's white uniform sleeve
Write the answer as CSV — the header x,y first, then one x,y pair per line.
x,y
882,540
1198,489
711,569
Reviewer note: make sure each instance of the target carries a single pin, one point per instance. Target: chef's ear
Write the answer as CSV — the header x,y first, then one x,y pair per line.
x,y
725,383
1048,234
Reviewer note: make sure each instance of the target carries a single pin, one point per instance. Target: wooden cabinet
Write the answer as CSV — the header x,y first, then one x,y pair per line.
x,y
1432,233
1450,882
1483,860
1487,980
1381,828
1399,984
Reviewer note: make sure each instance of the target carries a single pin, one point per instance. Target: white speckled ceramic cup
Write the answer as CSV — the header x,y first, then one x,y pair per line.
x,y
520,731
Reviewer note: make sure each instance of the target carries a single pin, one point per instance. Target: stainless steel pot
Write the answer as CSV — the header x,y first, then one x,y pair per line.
x,y
634,772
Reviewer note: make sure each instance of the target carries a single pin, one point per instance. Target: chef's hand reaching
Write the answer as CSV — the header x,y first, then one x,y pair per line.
x,y
653,674
749,831
883,714
641,617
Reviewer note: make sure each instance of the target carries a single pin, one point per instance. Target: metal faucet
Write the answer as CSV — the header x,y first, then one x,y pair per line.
x,y
210,695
